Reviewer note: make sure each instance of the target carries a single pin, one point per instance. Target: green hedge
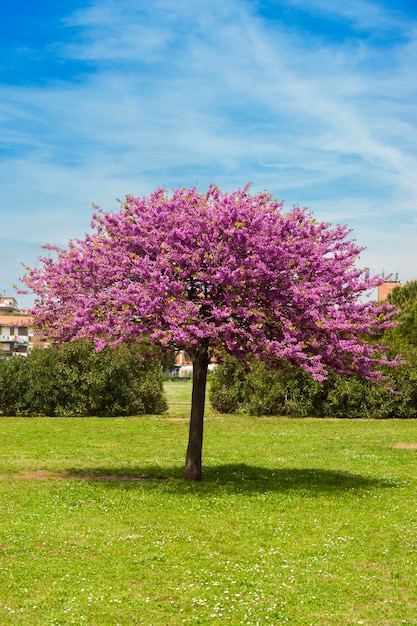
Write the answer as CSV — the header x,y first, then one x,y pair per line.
x,y
290,391
75,380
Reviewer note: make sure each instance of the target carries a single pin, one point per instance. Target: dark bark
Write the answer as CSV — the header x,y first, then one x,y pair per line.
x,y
193,459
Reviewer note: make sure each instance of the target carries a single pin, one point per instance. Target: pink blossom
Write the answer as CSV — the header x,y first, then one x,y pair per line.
x,y
230,270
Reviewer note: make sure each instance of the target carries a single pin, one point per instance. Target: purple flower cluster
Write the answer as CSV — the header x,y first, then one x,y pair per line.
x,y
231,271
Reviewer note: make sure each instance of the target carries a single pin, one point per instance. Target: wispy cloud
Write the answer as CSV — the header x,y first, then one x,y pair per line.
x,y
360,14
195,92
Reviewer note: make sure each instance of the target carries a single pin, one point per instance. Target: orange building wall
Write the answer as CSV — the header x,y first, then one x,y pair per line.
x,y
386,288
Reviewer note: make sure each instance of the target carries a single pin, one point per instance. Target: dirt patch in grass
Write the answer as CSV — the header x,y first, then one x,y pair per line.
x,y
177,419
45,475
406,446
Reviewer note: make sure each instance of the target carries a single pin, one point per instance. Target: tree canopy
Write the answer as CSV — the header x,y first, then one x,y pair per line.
x,y
210,271
405,298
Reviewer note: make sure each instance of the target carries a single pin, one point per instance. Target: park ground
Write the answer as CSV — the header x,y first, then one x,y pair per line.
x,y
298,521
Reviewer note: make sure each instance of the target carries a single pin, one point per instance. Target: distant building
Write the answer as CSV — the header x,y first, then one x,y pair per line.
x,y
386,288
17,335
184,365
8,304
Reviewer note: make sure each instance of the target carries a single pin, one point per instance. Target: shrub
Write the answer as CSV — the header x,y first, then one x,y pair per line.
x,y
75,380
226,388
290,391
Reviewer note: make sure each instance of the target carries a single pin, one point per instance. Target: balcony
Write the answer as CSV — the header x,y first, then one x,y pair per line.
x,y
18,340
21,341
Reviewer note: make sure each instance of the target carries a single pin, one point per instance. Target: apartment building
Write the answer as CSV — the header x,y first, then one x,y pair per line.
x,y
16,334
16,330
8,304
184,366
386,287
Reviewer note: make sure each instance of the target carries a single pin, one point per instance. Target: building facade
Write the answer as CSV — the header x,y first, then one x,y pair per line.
x,y
8,304
385,289
17,335
184,366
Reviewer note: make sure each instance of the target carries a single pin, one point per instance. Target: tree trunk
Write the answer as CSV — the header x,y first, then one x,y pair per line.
x,y
195,439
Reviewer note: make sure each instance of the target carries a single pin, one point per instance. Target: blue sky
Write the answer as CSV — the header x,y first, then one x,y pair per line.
x,y
314,100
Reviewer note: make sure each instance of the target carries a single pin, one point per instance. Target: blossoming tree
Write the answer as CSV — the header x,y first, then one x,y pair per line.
x,y
211,272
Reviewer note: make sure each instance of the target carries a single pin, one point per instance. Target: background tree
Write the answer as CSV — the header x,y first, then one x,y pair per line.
x,y
405,298
210,271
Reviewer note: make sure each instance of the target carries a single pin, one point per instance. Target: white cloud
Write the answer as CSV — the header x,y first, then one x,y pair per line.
x,y
202,92
361,14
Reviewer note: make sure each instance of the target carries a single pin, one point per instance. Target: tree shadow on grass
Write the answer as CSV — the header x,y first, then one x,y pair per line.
x,y
232,478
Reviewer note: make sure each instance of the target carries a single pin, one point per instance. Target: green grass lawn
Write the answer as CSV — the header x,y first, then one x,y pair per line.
x,y
296,521
178,392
